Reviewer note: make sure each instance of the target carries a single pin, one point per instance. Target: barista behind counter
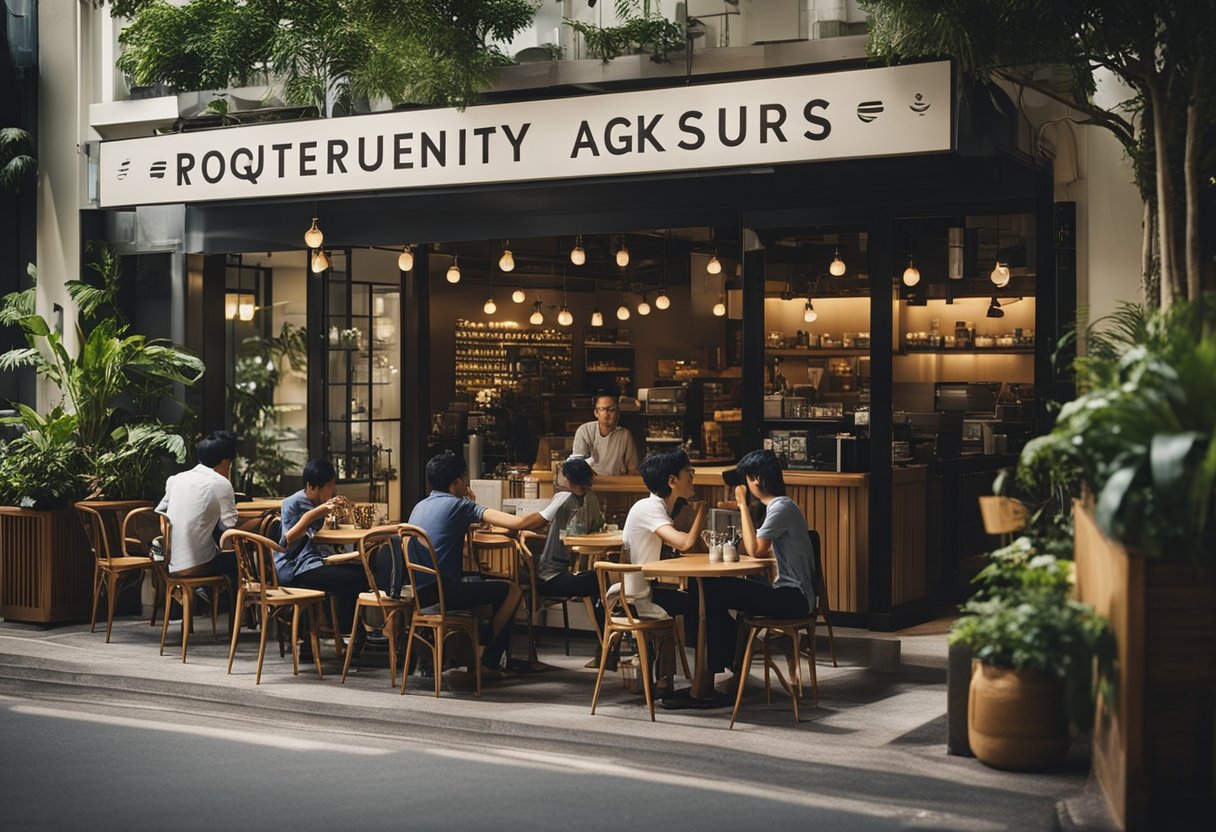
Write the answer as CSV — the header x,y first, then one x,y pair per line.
x,y
604,443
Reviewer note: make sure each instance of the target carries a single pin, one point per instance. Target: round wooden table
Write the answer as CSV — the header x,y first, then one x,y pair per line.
x,y
346,537
698,567
597,540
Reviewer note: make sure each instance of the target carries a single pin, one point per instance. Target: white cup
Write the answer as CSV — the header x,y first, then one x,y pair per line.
x,y
715,554
729,553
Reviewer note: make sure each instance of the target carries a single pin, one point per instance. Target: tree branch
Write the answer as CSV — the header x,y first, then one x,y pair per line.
x,y
1123,129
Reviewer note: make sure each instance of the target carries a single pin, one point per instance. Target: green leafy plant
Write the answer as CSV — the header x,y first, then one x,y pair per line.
x,y
1023,618
43,468
111,389
17,160
1142,437
641,29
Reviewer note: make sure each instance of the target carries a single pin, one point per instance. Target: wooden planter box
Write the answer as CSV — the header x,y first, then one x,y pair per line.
x,y
46,568
1154,754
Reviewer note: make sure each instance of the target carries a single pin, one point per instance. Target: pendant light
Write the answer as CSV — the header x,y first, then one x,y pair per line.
x,y
231,299
518,295
714,266
507,261
809,314
564,317
837,267
597,317
622,254
313,237
577,256
994,309
911,273
405,260
537,317
320,261
661,300
1000,272
244,307
490,306
720,306
453,274
643,306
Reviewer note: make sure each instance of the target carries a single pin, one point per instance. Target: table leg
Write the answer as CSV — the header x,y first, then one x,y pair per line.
x,y
701,686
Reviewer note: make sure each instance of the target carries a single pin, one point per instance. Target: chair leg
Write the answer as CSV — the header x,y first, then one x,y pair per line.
x,y
111,592
390,632
295,639
346,661
96,596
831,639
566,624
314,620
768,686
644,672
157,598
215,612
605,647
164,627
476,639
810,636
679,639
747,666
795,671
437,655
187,617
339,646
409,651
262,642
238,609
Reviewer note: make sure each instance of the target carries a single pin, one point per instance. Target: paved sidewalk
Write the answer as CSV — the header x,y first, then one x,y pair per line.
x,y
875,744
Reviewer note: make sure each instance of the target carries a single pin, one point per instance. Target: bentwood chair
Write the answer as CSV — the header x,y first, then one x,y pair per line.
x,y
538,602
437,618
619,619
378,543
499,555
270,526
259,586
176,587
1002,517
110,565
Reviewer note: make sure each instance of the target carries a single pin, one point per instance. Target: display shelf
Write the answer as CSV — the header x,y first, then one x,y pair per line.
x,y
817,353
976,351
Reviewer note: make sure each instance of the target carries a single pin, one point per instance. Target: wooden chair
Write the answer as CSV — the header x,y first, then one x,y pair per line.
x,y
259,585
270,526
378,542
537,602
135,529
441,621
499,555
620,619
110,565
790,628
1002,517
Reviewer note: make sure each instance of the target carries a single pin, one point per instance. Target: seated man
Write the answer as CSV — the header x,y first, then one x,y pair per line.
x,y
201,505
303,564
669,477
445,515
554,578
784,535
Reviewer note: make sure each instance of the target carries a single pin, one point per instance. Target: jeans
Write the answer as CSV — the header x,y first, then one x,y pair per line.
x,y
343,581
467,595
575,585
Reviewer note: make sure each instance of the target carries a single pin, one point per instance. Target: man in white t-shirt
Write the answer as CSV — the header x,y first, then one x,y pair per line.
x,y
669,477
201,505
604,443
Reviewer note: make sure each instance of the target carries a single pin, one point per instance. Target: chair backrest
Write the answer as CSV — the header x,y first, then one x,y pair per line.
x,y
373,544
416,570
270,525
821,580
254,558
95,530
616,604
1002,515
140,529
496,554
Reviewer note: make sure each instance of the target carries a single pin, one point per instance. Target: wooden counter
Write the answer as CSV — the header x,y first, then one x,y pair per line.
x,y
835,504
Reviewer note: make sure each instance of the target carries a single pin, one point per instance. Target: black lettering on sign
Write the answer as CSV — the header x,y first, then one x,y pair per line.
x,y
646,133
772,116
516,141
185,164
687,126
438,151
401,150
736,140
337,152
307,158
218,158
460,148
584,141
281,149
485,133
825,126
363,163
250,171
621,144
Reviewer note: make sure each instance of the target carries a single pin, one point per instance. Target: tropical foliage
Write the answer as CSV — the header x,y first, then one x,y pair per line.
x,y
103,438
640,28
322,52
1024,618
1162,51
17,161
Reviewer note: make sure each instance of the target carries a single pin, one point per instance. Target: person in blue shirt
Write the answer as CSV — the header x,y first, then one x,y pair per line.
x,y
445,515
303,564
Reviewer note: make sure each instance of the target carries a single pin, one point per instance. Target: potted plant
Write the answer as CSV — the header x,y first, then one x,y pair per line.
x,y
640,29
1034,648
1137,448
103,439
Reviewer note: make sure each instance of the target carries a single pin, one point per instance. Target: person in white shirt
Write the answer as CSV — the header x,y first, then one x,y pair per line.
x,y
607,446
201,505
669,477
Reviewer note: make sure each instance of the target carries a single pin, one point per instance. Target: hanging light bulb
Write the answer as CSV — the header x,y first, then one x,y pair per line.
x,y
662,301
643,306
454,271
577,256
622,312
837,268
565,317
714,266
597,317
491,307
245,307
518,295
405,260
1000,275
622,255
720,306
313,237
911,274
231,301
320,261
809,314
507,261
537,317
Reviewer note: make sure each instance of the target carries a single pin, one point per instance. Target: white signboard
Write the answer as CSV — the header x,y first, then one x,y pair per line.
x,y
842,115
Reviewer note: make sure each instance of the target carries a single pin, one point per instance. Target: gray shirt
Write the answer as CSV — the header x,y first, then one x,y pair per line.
x,y
555,558
785,526
610,455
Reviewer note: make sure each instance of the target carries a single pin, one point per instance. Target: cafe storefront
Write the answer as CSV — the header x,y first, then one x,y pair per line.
x,y
850,267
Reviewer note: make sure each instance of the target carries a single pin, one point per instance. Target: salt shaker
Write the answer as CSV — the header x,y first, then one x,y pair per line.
x,y
729,553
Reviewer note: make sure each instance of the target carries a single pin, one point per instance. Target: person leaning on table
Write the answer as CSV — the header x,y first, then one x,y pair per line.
x,y
445,515
604,443
303,562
